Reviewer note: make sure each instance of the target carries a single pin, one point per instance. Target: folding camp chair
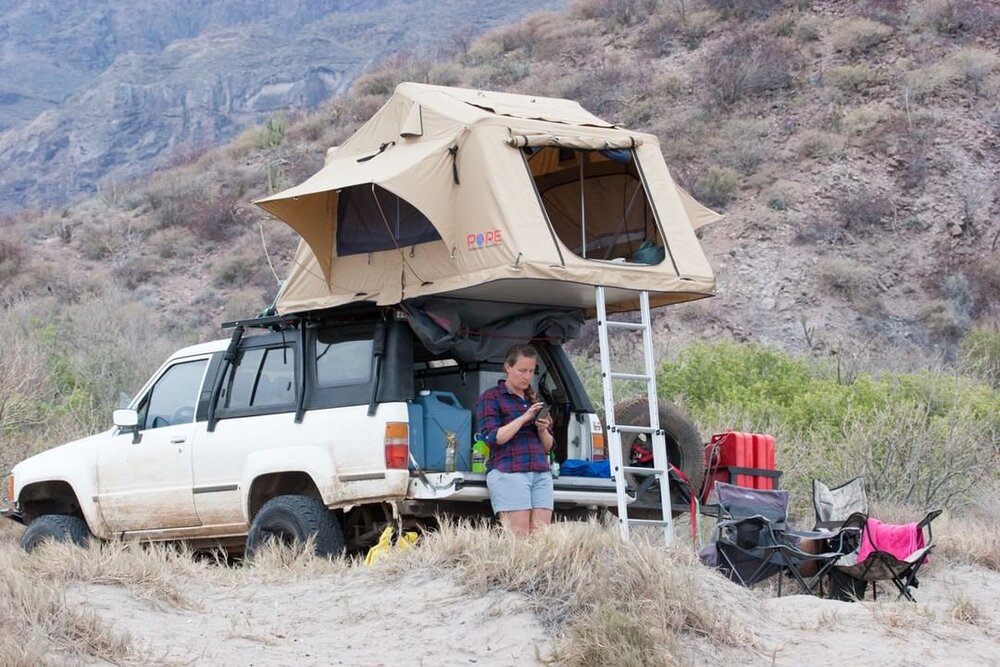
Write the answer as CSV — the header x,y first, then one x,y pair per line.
x,y
879,556
754,542
834,505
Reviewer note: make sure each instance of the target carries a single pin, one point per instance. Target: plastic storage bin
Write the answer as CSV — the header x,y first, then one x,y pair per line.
x,y
439,413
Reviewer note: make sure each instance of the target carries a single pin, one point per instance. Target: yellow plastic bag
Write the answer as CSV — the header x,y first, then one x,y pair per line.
x,y
385,543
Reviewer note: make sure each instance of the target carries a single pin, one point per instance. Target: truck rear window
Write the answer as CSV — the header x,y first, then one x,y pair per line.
x,y
344,356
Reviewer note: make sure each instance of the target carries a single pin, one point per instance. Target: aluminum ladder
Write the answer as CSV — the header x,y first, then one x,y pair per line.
x,y
619,467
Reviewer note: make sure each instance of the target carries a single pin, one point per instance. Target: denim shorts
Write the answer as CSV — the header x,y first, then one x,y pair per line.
x,y
513,491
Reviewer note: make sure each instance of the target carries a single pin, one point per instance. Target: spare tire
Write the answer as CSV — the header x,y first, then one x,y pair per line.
x,y
684,445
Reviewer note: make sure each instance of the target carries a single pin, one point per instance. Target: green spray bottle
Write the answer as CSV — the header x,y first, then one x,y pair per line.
x,y
480,454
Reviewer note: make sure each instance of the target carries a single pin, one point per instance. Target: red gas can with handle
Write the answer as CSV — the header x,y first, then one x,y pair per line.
x,y
736,451
763,459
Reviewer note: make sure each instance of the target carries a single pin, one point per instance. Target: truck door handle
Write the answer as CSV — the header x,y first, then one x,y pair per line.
x,y
178,440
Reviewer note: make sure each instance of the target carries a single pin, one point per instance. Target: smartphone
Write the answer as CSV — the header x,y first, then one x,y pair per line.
x,y
543,412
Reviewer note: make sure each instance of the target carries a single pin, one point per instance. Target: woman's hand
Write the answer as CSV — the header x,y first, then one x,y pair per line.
x,y
530,413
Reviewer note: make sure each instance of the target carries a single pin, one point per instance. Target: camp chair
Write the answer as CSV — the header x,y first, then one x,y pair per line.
x,y
878,557
834,505
754,542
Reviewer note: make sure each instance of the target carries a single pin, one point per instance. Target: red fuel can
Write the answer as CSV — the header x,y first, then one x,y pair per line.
x,y
763,459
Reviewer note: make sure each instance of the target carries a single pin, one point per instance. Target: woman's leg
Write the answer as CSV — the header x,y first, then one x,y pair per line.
x,y
542,500
518,522
540,518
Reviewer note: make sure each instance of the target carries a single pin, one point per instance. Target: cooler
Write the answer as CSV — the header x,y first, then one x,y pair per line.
x,y
442,413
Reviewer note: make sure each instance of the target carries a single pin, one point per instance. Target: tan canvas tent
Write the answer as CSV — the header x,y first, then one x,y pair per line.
x,y
491,196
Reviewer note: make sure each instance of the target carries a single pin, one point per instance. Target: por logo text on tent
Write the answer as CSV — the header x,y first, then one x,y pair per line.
x,y
483,239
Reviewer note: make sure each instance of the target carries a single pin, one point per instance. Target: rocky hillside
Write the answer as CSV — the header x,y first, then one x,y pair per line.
x,y
852,146
101,92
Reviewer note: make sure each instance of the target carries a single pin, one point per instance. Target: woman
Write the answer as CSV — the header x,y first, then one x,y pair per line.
x,y
518,473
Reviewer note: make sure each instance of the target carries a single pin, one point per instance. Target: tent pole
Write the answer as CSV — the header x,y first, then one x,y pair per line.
x,y
583,209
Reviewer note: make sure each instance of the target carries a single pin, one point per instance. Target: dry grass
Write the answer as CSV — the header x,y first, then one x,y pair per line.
x,y
900,615
964,610
969,67
40,624
856,36
603,597
972,539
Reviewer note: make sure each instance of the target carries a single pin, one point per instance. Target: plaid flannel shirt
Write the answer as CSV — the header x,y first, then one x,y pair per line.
x,y
522,453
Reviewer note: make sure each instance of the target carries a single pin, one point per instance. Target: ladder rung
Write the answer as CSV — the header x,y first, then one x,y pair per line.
x,y
643,471
648,522
630,376
632,326
628,428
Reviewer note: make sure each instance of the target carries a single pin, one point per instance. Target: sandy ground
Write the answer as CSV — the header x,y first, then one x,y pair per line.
x,y
359,619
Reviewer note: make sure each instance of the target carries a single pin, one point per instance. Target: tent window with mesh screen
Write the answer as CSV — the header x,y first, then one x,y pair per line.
x,y
597,203
373,219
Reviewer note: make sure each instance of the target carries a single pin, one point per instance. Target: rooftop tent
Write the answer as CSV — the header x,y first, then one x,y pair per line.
x,y
491,196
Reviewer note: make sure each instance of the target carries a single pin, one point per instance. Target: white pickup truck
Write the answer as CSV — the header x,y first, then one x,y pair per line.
x,y
327,425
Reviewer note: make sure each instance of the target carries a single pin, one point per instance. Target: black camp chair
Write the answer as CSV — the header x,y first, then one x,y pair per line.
x,y
753,541
880,565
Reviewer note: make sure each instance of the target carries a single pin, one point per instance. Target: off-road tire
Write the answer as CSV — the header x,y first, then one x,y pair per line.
x,y
57,528
684,446
294,519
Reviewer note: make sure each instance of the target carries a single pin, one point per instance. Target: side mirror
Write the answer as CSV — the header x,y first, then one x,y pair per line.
x,y
127,420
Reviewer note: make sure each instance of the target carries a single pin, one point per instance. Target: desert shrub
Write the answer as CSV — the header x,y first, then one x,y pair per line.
x,y
610,88
697,26
969,67
95,243
782,195
245,266
850,79
744,9
622,13
172,242
11,255
131,270
862,123
923,438
980,354
864,209
743,145
952,17
942,321
717,187
854,280
818,144
746,65
808,29
855,36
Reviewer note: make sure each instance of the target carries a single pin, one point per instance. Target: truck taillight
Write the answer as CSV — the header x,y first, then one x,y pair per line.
x,y
598,450
397,445
10,488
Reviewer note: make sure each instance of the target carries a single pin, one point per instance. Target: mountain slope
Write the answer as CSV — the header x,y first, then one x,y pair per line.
x,y
107,91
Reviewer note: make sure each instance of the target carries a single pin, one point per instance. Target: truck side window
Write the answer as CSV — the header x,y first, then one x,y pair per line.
x,y
344,356
173,398
261,377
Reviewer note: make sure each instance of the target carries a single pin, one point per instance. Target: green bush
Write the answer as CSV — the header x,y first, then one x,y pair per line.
x,y
717,187
981,354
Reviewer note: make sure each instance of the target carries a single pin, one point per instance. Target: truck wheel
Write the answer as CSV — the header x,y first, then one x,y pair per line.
x,y
293,520
684,446
57,528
